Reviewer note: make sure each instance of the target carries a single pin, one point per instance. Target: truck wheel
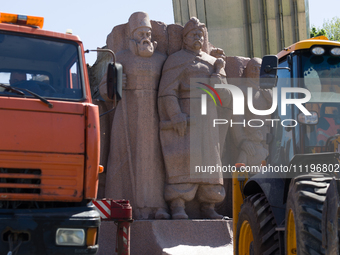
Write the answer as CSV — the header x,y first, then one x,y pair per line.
x,y
331,219
305,200
256,234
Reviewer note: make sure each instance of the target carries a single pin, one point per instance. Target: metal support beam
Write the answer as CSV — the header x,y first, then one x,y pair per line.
x,y
249,28
265,27
296,21
282,34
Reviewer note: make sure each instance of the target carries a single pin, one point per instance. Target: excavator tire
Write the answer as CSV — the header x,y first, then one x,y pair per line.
x,y
331,219
256,232
304,207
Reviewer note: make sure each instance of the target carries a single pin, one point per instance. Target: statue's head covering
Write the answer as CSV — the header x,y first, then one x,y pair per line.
x,y
254,61
137,20
192,24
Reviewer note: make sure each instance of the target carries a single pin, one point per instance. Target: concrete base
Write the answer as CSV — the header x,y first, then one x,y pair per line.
x,y
171,237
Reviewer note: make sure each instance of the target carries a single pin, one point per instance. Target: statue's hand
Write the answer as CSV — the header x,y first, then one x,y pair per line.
x,y
248,147
181,127
225,94
217,53
219,75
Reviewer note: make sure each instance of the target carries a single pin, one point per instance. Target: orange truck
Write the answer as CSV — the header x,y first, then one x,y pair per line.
x,y
49,142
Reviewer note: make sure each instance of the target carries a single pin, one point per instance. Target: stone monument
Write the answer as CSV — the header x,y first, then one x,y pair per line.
x,y
149,156
251,140
135,165
258,151
148,166
174,107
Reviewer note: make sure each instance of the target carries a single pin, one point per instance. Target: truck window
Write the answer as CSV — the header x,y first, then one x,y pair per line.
x,y
321,76
48,67
282,144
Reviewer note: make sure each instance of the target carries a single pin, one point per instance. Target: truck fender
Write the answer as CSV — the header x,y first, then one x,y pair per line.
x,y
272,185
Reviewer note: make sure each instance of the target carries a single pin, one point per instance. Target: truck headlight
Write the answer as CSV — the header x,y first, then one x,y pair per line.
x,y
70,236
335,52
318,51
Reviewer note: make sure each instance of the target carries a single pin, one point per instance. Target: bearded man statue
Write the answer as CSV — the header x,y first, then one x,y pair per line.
x,y
135,165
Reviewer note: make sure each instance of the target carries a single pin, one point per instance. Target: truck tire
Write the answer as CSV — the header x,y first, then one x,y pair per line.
x,y
331,219
256,232
304,206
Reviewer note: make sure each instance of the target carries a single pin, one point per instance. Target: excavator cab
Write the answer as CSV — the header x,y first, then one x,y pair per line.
x,y
289,212
316,69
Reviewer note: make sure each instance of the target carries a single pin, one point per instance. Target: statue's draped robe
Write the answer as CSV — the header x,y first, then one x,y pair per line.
x,y
135,164
178,99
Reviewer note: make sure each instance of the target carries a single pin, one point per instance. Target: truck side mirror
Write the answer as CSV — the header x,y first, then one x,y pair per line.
x,y
114,81
268,73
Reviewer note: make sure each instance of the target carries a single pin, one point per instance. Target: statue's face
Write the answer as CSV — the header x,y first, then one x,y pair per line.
x,y
142,33
142,37
255,71
253,74
194,39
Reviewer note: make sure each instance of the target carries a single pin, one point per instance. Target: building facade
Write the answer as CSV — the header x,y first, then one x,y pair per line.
x,y
250,28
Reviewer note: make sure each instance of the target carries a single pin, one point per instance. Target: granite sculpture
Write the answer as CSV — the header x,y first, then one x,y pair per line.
x,y
174,102
135,164
251,141
150,146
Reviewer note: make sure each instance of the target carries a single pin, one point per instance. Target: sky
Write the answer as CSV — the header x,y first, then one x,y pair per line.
x,y
323,10
93,20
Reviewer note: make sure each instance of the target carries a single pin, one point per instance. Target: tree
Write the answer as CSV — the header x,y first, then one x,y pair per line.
x,y
332,28
317,32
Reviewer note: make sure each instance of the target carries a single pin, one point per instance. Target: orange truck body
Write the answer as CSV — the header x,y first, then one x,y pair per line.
x,y
48,156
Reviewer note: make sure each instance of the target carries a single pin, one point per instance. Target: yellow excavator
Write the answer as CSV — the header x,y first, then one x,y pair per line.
x,y
292,205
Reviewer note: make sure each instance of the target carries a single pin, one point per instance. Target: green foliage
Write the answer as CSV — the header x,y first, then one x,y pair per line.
x,y
332,28
314,32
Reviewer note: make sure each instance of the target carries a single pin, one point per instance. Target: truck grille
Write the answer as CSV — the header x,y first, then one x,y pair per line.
x,y
40,178
14,180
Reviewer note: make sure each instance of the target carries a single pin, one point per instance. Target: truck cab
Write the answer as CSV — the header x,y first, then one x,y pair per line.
x,y
49,142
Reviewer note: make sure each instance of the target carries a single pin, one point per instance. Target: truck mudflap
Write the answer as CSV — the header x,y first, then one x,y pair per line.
x,y
34,231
